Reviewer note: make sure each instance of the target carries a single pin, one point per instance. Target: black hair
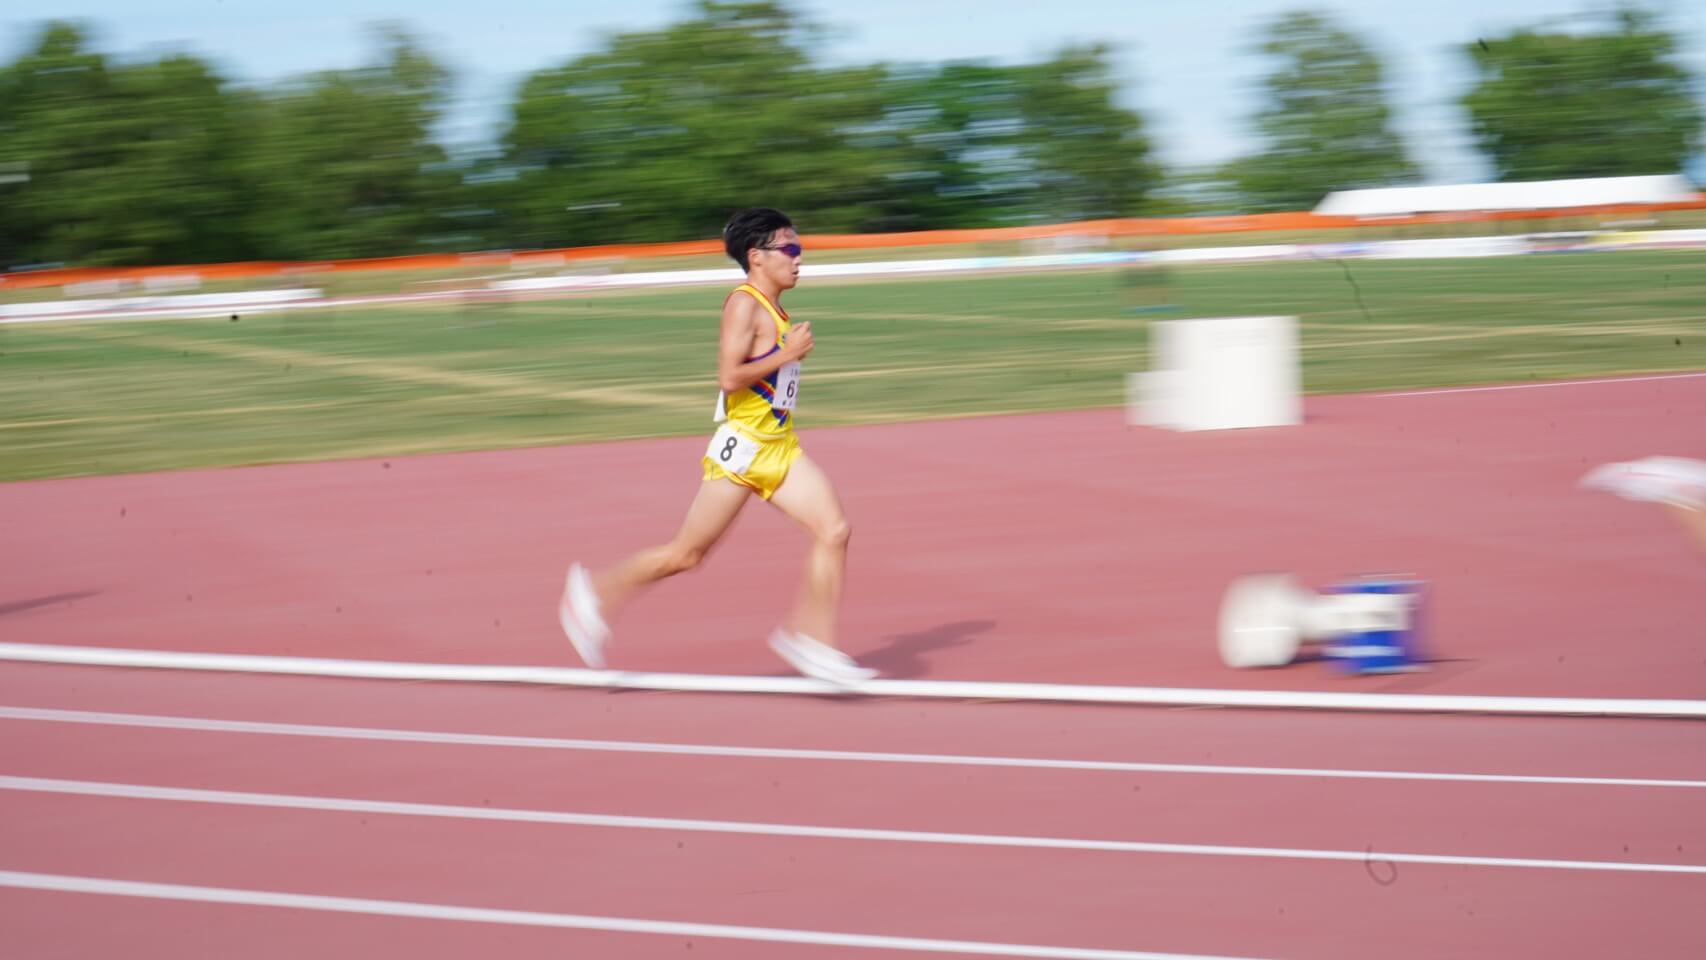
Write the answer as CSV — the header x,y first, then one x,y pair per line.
x,y
751,228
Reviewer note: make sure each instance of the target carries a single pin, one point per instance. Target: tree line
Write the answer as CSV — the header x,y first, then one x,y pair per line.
x,y
658,134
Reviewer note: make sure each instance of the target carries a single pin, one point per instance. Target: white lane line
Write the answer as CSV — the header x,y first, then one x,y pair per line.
x,y
936,689
1541,386
130,791
203,724
529,918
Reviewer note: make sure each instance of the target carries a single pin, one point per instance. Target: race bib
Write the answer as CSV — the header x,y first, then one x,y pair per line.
x,y
732,450
787,386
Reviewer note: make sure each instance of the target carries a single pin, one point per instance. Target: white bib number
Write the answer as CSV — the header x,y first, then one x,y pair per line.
x,y
732,450
787,386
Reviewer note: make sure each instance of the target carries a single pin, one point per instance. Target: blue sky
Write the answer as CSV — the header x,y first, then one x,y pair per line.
x,y
1185,64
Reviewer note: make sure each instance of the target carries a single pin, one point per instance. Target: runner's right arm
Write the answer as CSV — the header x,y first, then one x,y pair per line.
x,y
741,322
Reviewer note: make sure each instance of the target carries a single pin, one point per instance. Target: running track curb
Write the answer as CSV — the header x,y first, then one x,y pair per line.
x,y
924,689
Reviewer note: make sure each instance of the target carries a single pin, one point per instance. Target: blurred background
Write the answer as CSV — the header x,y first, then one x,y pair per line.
x,y
200,131
375,228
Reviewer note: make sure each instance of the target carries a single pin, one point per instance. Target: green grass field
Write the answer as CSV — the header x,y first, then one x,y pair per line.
x,y
108,397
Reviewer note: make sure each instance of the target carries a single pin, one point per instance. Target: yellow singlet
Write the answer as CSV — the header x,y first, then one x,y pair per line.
x,y
756,443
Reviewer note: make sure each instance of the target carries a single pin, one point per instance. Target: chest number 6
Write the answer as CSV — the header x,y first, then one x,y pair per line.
x,y
787,386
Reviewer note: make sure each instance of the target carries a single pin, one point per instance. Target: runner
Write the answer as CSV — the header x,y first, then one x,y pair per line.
x,y
754,451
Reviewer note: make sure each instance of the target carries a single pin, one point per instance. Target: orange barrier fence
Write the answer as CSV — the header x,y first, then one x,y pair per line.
x,y
1128,227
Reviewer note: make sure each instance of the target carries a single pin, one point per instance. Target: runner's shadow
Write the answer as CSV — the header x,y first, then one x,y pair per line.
x,y
902,657
19,606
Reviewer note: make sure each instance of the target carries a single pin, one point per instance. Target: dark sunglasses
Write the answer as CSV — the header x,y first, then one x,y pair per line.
x,y
791,249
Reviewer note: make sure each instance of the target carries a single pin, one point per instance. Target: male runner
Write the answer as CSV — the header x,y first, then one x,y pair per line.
x,y
754,451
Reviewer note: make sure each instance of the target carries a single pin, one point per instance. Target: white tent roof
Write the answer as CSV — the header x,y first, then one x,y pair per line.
x,y
1535,195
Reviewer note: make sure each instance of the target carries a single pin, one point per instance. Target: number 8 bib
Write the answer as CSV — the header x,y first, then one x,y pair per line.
x,y
732,450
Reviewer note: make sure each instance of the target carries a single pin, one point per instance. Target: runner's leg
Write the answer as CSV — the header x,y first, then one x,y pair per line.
x,y
713,510
808,498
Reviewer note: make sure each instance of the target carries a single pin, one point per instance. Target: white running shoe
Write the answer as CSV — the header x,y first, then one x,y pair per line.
x,y
816,659
1674,480
578,612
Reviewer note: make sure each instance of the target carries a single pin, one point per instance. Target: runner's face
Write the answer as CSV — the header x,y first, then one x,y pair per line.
x,y
776,265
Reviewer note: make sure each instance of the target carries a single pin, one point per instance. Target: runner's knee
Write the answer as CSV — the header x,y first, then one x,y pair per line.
x,y
835,534
681,558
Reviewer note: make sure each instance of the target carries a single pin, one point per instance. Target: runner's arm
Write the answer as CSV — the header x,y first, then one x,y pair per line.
x,y
741,318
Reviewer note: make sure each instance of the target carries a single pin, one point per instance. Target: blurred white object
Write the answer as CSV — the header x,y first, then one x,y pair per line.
x,y
188,304
1261,621
1674,480
1369,625
1219,373
1523,195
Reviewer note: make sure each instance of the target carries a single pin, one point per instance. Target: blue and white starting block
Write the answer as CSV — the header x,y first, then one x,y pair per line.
x,y
1369,624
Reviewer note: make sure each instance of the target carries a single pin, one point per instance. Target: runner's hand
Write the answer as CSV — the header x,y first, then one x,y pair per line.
x,y
800,340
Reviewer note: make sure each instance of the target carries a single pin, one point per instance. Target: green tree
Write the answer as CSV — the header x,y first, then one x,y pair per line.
x,y
1326,125
99,145
949,142
18,234
976,143
344,163
176,193
1617,102
662,133
1090,157
58,116
657,136
125,163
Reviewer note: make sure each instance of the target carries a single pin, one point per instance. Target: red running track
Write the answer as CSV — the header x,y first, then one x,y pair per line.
x,y
1059,548
1175,902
